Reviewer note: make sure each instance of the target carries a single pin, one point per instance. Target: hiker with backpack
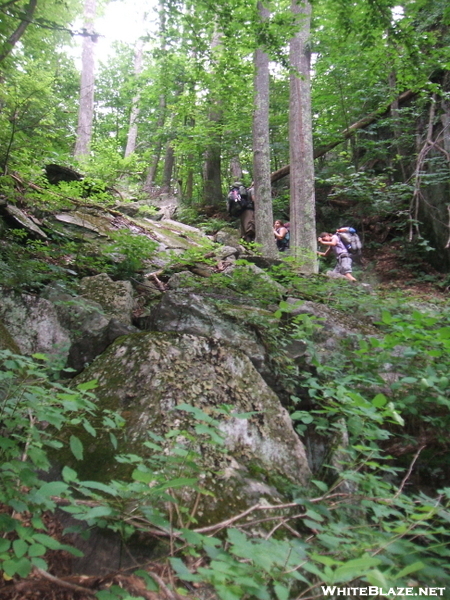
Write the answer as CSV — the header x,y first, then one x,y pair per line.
x,y
341,252
240,204
282,235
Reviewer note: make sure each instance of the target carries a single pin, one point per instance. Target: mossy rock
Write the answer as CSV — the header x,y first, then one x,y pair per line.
x,y
146,376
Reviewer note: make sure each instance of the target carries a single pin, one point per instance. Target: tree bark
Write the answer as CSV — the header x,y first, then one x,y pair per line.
x,y
134,113
261,150
86,108
151,175
302,212
212,193
169,162
347,133
235,168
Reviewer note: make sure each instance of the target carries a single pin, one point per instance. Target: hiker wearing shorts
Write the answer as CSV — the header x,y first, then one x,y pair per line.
x,y
344,260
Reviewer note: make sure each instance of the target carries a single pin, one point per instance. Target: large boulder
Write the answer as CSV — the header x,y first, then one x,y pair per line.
x,y
147,375
226,321
91,330
32,323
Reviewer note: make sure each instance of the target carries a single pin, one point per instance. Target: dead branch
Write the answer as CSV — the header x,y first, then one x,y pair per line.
x,y
65,584
154,276
75,201
406,477
347,133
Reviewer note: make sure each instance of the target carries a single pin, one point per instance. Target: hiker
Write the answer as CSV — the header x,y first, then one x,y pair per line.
x,y
281,234
344,260
240,204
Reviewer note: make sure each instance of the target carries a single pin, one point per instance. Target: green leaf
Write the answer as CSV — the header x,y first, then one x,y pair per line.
x,y
87,385
98,511
40,563
386,317
53,488
313,525
69,474
312,514
21,566
102,487
176,483
47,541
142,476
379,400
182,571
77,447
36,550
20,548
417,566
151,584
88,427
5,545
281,591
320,484
355,568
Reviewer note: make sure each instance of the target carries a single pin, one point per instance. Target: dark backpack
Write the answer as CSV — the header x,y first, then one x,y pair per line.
x,y
350,239
237,201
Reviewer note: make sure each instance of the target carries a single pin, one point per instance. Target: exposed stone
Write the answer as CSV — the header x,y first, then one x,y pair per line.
x,y
191,313
23,220
101,225
225,252
148,375
182,280
228,237
34,325
7,342
86,348
115,297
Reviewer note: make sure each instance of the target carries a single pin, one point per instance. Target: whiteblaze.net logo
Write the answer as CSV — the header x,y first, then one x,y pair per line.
x,y
332,590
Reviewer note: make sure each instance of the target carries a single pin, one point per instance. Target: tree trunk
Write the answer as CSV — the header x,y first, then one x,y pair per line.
x,y
86,109
261,150
302,213
151,175
17,34
212,193
169,162
235,169
134,113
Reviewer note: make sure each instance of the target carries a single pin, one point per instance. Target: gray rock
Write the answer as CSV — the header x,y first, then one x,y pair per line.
x,y
28,223
147,375
229,237
115,297
191,313
33,324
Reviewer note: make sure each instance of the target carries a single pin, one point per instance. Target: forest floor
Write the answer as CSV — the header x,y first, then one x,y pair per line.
x,y
395,272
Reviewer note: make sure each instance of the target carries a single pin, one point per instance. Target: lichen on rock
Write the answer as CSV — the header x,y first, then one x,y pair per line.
x,y
146,376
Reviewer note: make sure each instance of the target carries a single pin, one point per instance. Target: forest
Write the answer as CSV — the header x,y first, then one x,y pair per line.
x,y
115,243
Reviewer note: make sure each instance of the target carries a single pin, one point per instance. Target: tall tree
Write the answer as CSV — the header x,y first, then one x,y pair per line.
x,y
134,111
87,84
213,157
261,148
302,211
